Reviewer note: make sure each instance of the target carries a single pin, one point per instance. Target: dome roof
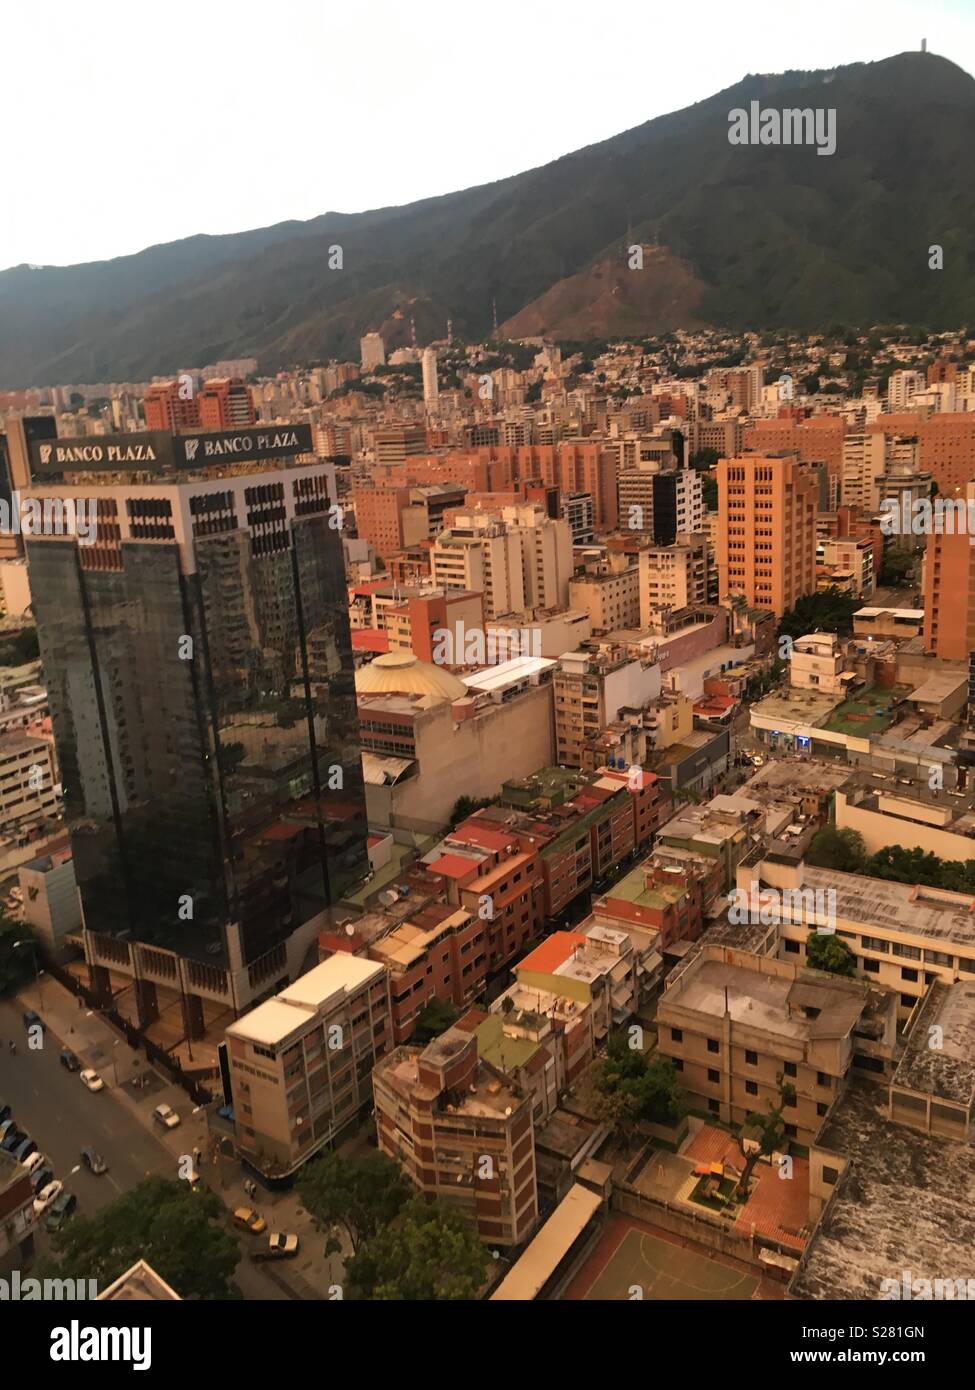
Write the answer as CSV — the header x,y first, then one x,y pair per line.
x,y
401,673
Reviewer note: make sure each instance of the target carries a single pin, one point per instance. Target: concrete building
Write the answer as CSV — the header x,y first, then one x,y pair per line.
x,y
462,1134
301,1063
28,783
733,1022
50,901
431,391
609,591
596,966
428,740
767,530
949,591
818,663
516,557
847,562
673,576
372,351
590,690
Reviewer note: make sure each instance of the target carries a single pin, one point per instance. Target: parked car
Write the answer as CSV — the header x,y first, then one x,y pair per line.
x,y
93,1161
5,1129
281,1245
12,1138
34,1161
166,1116
59,1211
91,1079
31,1018
249,1220
5,1112
24,1150
40,1177
69,1061
47,1195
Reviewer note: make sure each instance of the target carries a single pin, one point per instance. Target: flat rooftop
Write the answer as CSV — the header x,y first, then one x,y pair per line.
x,y
907,1203
946,1072
277,1018
933,913
773,1003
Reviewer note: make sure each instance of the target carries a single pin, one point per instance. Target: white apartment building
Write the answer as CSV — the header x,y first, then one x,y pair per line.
x,y
27,780
517,557
673,576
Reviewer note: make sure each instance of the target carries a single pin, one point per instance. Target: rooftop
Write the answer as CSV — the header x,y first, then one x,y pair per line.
x,y
276,1019
773,1003
946,1072
908,1203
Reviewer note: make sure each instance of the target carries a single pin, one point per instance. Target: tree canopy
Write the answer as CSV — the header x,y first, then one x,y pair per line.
x,y
627,1088
359,1197
428,1252
164,1222
827,611
832,848
826,951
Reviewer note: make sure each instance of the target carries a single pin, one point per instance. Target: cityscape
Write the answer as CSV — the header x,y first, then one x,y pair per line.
x,y
487,760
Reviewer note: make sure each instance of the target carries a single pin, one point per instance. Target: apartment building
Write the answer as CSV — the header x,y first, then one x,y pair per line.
x,y
657,903
608,590
818,439
673,576
596,966
300,1064
732,1022
590,690
904,936
767,530
28,783
847,564
220,404
462,1134
372,351
438,953
949,592
818,662
516,557
445,627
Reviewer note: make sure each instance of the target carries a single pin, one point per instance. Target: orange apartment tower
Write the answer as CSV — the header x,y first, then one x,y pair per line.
x,y
766,546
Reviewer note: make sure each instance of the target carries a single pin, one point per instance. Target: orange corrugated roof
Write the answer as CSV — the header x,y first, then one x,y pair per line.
x,y
552,952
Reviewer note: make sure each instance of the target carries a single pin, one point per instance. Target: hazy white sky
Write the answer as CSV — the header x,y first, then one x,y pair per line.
x,y
126,123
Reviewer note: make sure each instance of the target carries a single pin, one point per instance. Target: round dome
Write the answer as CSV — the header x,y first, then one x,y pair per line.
x,y
401,673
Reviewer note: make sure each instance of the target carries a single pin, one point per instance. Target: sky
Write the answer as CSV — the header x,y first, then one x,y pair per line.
x,y
127,124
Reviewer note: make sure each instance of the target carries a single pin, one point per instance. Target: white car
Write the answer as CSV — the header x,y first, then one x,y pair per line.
x,y
281,1244
46,1196
36,1160
166,1116
92,1080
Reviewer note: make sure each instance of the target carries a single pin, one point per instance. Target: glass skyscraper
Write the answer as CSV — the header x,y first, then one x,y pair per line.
x,y
200,678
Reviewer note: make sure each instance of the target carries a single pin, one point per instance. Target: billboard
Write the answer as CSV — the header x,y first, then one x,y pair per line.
x,y
155,451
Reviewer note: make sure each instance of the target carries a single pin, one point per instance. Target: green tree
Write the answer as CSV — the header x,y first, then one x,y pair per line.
x,y
436,1016
16,962
359,1197
904,865
832,848
626,1088
826,951
827,611
427,1253
165,1223
895,566
703,458
768,1132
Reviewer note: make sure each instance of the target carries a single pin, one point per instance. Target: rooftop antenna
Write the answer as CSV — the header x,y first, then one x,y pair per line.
x,y
924,45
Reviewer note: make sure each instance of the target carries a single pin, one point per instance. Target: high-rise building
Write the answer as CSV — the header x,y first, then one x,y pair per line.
x,y
431,391
517,557
226,405
15,447
172,405
221,404
200,677
673,576
767,529
372,350
949,591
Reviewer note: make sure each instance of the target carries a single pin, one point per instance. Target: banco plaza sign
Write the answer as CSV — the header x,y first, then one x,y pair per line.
x,y
156,451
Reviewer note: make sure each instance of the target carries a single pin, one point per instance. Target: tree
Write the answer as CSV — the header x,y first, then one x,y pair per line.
x,y
436,1016
465,806
903,865
826,951
626,1088
832,848
703,458
428,1252
895,567
768,1132
360,1197
164,1222
16,962
830,610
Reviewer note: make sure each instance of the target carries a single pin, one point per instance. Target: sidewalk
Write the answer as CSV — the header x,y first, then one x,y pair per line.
x,y
98,1045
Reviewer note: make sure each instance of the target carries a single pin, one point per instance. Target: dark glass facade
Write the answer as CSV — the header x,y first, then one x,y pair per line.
x,y
206,721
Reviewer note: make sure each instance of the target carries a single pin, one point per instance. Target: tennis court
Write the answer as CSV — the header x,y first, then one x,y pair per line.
x,y
630,1255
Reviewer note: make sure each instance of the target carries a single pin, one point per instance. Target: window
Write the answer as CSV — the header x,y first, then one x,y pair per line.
x,y
822,1079
751,1087
714,1106
909,975
908,1001
713,1045
713,1076
829,1176
677,1063
676,1035
792,946
821,1107
872,965
791,1131
751,1059
790,1069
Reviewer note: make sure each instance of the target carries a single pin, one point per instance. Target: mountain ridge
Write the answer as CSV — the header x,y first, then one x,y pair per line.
x,y
773,236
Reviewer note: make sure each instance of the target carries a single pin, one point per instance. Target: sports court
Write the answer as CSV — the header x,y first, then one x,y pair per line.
x,y
631,1253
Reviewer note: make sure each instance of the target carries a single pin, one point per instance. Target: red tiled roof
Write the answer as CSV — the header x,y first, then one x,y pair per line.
x,y
369,639
453,866
552,952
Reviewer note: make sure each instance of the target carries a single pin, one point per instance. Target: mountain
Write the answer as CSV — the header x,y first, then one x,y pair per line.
x,y
736,235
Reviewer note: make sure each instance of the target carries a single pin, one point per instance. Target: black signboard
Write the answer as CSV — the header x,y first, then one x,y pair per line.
x,y
155,451
235,446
